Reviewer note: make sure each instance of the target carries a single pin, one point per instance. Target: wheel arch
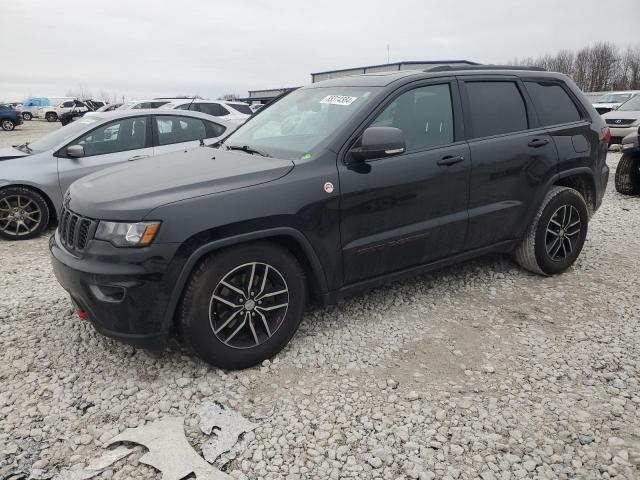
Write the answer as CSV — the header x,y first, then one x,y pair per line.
x,y
582,180
290,238
53,216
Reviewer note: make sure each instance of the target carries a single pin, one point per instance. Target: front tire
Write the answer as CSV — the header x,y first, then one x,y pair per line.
x,y
24,213
8,125
51,117
27,116
628,174
557,234
242,305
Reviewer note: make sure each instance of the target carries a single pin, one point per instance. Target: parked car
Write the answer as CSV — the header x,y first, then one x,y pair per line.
x,y
628,169
612,100
339,186
109,107
31,106
234,112
9,117
34,175
625,120
142,104
79,110
52,113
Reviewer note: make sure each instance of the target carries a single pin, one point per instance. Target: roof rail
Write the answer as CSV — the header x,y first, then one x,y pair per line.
x,y
449,68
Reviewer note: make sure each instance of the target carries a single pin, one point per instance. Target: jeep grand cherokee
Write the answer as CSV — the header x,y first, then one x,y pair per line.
x,y
338,186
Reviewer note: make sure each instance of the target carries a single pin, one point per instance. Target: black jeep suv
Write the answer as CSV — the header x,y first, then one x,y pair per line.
x,y
336,187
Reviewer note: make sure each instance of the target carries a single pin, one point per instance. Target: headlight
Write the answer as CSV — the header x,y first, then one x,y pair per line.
x,y
122,234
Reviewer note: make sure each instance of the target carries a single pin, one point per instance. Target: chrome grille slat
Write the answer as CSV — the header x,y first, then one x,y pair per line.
x,y
75,231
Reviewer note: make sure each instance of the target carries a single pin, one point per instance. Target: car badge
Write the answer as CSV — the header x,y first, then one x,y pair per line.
x,y
328,187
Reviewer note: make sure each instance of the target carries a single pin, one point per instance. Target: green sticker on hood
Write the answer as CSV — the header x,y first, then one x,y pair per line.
x,y
306,156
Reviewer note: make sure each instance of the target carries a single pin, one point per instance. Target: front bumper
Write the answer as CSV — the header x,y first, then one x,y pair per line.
x,y
618,133
125,292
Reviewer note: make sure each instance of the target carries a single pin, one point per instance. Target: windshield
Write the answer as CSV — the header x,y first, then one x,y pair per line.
x,y
295,125
633,104
614,98
61,135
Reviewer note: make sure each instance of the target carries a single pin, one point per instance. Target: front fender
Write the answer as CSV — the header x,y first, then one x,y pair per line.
x,y
201,251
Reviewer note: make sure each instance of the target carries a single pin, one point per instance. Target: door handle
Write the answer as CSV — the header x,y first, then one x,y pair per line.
x,y
538,142
450,160
137,157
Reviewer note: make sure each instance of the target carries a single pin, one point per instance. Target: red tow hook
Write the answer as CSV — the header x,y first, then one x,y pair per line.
x,y
82,314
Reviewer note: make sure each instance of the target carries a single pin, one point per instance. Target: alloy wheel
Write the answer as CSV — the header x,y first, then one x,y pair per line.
x,y
563,232
248,305
19,215
7,125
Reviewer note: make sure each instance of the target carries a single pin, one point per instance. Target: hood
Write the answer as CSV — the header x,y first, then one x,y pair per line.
x,y
622,114
9,152
607,105
132,189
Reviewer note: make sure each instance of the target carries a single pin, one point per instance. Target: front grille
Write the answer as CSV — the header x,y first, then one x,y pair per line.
x,y
621,122
75,231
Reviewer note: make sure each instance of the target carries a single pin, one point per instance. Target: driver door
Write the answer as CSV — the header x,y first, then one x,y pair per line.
x,y
122,140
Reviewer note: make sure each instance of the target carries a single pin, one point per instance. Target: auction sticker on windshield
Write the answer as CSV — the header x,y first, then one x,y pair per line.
x,y
338,100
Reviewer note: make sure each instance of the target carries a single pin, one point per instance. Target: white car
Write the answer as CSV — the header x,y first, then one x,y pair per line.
x,y
234,112
37,174
612,100
139,104
624,120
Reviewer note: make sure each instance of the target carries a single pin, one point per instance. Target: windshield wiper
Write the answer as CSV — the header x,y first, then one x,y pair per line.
x,y
247,149
25,146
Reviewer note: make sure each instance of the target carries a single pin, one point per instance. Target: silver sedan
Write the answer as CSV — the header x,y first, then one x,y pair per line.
x,y
34,176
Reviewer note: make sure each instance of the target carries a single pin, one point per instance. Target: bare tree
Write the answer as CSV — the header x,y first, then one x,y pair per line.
x,y
596,68
229,97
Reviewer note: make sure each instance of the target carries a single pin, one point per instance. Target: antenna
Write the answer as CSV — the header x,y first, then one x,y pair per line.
x,y
191,102
388,61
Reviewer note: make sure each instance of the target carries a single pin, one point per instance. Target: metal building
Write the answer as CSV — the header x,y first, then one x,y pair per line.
x,y
266,95
387,67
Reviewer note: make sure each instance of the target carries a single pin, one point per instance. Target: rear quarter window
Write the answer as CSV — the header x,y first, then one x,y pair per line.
x,y
496,107
246,109
553,103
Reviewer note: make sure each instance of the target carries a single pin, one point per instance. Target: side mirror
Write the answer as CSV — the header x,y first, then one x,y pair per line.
x,y
75,151
379,142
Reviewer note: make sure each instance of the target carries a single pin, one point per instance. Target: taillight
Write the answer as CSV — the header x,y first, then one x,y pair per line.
x,y
606,133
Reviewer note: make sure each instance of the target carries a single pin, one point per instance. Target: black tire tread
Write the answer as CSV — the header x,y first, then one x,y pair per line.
x,y
628,175
46,214
525,252
184,321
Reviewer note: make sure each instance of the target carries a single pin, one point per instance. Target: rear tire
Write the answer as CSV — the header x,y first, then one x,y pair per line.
x,y
242,305
628,174
24,213
51,117
557,233
27,116
8,125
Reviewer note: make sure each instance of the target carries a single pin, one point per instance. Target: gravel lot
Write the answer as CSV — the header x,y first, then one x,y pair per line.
x,y
480,370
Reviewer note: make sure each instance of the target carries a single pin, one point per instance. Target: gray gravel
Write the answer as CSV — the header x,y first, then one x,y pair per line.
x,y
479,370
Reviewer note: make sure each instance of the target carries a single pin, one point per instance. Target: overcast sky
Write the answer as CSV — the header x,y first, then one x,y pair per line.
x,y
146,48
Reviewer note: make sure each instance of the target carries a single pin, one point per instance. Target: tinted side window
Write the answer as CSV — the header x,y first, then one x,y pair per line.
x,y
128,134
158,104
214,129
496,108
179,129
186,106
67,104
553,103
242,108
425,116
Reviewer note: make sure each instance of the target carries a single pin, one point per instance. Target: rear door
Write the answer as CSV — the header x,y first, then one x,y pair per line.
x,y
178,132
121,140
410,209
512,157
